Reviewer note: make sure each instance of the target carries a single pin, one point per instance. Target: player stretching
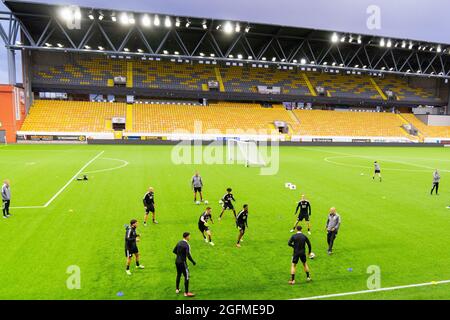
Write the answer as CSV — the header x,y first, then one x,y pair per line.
x,y
197,185
297,242
226,200
377,170
436,179
149,205
203,225
305,213
131,237
183,251
241,223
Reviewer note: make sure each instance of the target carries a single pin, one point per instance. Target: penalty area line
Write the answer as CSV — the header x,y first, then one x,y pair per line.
x,y
432,283
64,187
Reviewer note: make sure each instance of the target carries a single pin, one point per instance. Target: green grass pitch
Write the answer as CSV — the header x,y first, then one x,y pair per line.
x,y
395,224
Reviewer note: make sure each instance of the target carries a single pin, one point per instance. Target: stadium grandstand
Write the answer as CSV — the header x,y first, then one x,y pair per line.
x,y
101,74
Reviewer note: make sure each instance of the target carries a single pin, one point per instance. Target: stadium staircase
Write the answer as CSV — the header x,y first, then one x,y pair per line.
x,y
425,130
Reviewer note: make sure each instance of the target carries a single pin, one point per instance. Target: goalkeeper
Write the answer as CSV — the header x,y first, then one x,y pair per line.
x,y
204,227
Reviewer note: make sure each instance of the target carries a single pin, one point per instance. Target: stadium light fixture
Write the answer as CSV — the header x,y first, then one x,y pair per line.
x,y
204,25
231,56
228,28
263,58
250,57
48,44
274,59
237,29
364,66
382,42
140,50
66,14
408,71
101,48
411,45
156,21
124,19
202,54
176,53
389,43
341,65
439,49
239,56
419,71
132,20
167,22
383,68
212,55
91,15
325,63
87,47
188,23
303,61
334,38
100,16
247,29
333,64
177,22
59,45
166,52
404,44
350,39
113,17
343,39
359,40
146,22
126,49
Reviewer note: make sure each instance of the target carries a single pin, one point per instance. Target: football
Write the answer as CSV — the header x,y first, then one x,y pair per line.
x,y
197,203
312,255
206,202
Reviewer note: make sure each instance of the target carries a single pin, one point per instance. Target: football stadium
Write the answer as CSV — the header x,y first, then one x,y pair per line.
x,y
229,159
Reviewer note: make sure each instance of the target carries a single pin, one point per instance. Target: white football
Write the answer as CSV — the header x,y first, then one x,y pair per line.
x,y
220,202
287,184
206,202
312,255
198,202
293,187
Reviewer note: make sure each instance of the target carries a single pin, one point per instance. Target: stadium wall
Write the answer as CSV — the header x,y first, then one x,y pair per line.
x,y
434,120
12,110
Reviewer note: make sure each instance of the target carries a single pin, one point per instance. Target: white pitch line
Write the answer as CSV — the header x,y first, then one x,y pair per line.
x,y
64,187
124,164
375,290
73,178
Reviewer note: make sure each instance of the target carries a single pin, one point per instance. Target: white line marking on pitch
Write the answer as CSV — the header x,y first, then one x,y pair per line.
x,y
374,290
124,164
64,187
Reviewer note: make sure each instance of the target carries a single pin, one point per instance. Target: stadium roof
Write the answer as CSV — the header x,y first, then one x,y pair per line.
x,y
37,26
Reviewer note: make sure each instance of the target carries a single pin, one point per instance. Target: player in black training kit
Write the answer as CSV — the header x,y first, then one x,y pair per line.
x,y
203,225
149,205
227,204
241,223
298,242
305,213
131,237
183,251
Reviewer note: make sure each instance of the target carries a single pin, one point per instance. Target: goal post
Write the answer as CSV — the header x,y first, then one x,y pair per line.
x,y
246,152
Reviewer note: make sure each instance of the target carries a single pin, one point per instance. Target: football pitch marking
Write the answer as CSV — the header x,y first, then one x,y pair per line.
x,y
64,187
374,290
123,165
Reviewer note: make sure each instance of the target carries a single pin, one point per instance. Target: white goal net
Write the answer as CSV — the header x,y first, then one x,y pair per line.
x,y
246,152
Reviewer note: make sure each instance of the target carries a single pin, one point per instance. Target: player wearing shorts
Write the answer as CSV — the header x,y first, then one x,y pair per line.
x,y
131,238
203,225
241,223
298,242
377,170
305,212
227,204
197,185
149,205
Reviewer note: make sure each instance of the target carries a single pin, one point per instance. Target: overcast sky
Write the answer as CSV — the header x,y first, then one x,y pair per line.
x,y
408,19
